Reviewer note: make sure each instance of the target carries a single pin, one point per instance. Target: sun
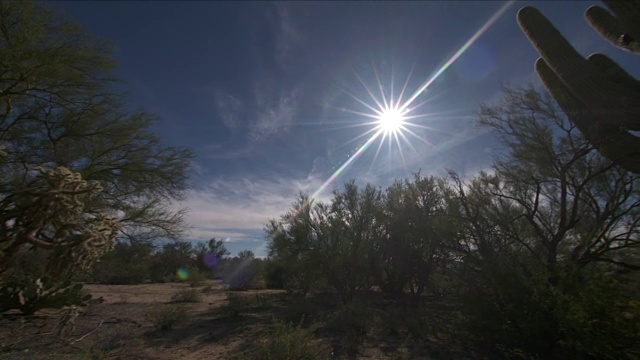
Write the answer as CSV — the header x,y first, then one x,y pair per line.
x,y
391,121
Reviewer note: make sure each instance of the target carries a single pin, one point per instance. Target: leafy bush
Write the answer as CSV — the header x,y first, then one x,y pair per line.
x,y
120,273
288,342
166,317
275,275
186,296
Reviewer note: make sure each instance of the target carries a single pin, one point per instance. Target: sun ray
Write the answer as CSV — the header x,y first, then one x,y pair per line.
x,y
395,135
384,98
346,164
373,97
364,102
406,83
375,157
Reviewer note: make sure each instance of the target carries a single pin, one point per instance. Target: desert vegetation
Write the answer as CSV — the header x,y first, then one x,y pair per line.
x,y
536,257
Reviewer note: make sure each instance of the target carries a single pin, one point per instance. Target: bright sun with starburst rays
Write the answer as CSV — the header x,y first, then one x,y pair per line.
x,y
393,117
391,120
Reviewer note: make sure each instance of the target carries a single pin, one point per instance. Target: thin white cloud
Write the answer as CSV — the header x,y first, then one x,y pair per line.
x,y
239,207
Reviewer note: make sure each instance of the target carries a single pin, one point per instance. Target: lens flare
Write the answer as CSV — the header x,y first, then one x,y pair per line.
x,y
458,53
210,260
182,274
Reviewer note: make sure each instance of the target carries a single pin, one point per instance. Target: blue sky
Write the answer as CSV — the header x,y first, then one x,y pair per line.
x,y
265,92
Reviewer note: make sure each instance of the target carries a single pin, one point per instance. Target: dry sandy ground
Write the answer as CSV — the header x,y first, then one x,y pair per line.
x,y
121,328
125,326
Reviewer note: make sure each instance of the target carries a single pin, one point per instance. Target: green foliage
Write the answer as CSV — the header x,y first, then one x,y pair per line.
x,y
78,169
209,256
419,223
186,296
288,342
126,264
274,274
243,272
520,254
540,233
293,245
346,233
173,256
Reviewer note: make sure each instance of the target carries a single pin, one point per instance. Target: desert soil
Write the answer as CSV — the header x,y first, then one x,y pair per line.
x,y
121,327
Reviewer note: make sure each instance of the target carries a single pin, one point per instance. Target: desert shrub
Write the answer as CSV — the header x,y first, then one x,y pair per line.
x,y
197,277
123,274
579,317
126,264
274,274
354,320
236,304
166,317
111,342
263,301
240,274
186,296
288,342
257,283
207,289
299,310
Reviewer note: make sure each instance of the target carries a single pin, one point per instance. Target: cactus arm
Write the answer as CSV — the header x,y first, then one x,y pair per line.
x,y
609,27
614,72
623,28
618,145
557,52
581,77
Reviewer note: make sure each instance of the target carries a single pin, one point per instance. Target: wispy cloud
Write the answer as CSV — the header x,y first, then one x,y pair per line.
x,y
230,109
288,35
275,118
239,207
273,108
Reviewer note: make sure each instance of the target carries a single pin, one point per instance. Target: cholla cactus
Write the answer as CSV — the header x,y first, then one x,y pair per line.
x,y
598,96
49,213
28,297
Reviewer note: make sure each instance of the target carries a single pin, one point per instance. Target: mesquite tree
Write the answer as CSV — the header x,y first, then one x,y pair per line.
x,y
78,168
549,236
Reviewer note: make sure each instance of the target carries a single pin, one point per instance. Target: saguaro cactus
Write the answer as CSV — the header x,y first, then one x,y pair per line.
x,y
598,95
